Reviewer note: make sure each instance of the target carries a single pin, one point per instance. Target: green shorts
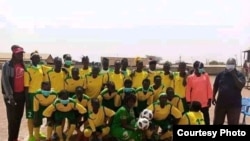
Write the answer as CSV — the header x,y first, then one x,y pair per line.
x,y
30,111
60,116
109,104
40,115
71,95
125,135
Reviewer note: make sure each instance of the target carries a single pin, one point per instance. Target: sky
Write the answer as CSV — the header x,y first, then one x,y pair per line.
x,y
172,29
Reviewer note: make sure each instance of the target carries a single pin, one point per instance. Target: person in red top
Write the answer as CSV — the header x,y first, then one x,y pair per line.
x,y
12,82
199,89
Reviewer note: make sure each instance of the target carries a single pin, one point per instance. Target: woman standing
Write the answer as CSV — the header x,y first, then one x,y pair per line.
x,y
13,90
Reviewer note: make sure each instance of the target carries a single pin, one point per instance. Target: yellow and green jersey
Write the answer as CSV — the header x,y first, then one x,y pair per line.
x,y
33,78
41,100
179,89
85,102
83,72
46,69
146,96
192,118
167,81
109,100
98,119
121,92
118,79
160,114
126,73
93,86
157,92
138,78
151,75
71,84
58,106
177,102
69,70
56,80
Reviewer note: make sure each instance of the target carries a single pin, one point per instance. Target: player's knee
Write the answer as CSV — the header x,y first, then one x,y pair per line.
x,y
105,131
87,133
166,135
72,126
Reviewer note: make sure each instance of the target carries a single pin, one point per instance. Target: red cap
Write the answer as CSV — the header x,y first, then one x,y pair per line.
x,y
18,50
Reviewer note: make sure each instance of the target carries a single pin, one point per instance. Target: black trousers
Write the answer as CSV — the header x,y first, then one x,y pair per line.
x,y
232,114
14,115
205,111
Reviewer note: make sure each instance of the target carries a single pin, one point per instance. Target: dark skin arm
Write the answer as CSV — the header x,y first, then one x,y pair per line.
x,y
238,82
215,88
26,91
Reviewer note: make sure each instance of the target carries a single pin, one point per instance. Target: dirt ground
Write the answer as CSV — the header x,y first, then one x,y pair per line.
x,y
24,131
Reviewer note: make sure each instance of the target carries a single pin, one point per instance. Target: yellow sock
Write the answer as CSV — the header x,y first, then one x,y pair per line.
x,y
49,132
30,127
59,132
72,128
37,131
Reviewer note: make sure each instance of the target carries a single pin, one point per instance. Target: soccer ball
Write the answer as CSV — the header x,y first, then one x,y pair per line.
x,y
148,114
143,123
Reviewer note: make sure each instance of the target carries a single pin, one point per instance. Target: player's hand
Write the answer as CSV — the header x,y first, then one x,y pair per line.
x,y
11,101
214,101
233,72
209,102
28,105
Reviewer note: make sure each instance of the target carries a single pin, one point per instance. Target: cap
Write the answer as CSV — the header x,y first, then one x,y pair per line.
x,y
34,53
17,49
162,94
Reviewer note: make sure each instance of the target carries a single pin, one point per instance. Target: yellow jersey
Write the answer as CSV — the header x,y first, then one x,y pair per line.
x,y
138,78
192,118
71,84
141,96
56,80
177,102
167,81
118,79
151,75
85,102
98,119
41,100
83,72
179,89
160,114
157,92
93,86
58,106
33,78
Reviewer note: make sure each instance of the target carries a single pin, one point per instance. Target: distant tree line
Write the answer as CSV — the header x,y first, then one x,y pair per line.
x,y
214,62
